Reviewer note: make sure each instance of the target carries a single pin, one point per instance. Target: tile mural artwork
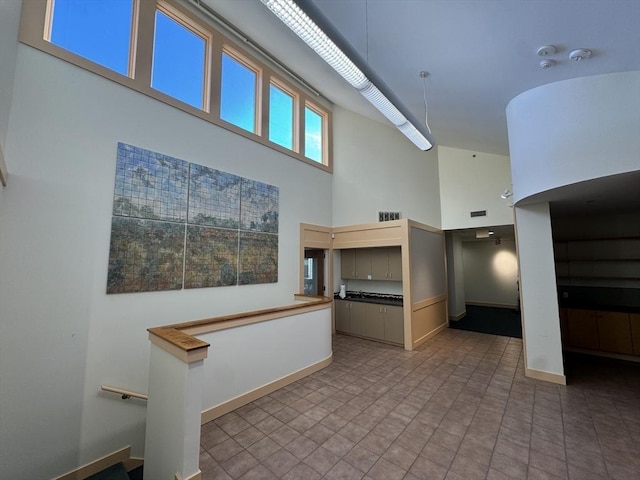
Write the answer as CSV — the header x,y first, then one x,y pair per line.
x,y
181,225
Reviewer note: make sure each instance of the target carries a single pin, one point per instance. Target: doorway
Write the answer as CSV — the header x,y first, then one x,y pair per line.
x,y
314,281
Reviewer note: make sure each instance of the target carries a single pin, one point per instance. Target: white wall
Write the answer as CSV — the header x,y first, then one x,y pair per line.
x,y
281,347
377,168
62,336
491,272
575,130
472,181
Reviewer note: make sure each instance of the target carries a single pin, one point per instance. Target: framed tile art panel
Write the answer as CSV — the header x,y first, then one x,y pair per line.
x,y
178,225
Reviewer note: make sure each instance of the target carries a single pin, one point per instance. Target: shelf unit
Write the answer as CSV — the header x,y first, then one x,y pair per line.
x,y
603,261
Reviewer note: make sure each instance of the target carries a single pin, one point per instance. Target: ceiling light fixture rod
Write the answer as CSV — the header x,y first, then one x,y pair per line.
x,y
305,19
423,76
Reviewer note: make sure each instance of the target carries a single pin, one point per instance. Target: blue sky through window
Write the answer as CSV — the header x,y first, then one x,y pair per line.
x,y
238,94
312,135
97,31
280,117
100,31
178,61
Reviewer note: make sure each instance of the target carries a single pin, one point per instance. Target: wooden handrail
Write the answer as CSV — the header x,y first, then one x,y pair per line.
x,y
179,339
126,394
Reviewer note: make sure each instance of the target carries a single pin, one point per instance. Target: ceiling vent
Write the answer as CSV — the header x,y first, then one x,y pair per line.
x,y
388,216
479,213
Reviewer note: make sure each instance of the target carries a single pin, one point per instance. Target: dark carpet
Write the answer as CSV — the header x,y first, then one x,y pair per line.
x,y
493,320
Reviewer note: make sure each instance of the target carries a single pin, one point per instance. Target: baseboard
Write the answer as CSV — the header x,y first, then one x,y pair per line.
x,y
195,476
237,402
455,318
495,305
122,455
545,376
432,333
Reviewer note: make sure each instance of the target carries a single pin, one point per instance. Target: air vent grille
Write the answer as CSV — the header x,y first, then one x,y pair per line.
x,y
388,216
479,213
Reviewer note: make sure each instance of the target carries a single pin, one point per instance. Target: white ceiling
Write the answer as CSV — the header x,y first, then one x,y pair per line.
x,y
479,53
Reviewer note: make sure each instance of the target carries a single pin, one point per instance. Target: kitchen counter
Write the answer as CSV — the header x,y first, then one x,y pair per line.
x,y
370,297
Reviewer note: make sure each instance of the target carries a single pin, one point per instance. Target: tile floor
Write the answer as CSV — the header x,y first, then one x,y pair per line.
x,y
459,407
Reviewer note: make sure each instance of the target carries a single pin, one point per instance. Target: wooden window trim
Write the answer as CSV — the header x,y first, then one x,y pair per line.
x,y
34,31
281,85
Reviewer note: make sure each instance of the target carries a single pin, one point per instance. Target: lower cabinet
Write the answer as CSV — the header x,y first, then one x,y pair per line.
x,y
582,328
343,316
611,332
614,332
359,318
634,321
370,320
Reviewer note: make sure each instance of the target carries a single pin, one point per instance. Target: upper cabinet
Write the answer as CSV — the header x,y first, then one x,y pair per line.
x,y
355,263
384,263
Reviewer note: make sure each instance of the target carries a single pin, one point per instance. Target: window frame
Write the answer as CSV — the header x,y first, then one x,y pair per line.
x,y
325,130
35,30
297,126
243,60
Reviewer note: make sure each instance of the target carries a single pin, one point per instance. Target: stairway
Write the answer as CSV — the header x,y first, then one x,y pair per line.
x,y
117,472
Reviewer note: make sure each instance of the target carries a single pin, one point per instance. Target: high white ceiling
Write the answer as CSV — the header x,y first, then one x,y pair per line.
x,y
480,54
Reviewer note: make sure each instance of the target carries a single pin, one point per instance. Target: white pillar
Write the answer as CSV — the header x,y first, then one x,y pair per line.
x,y
455,276
174,409
539,300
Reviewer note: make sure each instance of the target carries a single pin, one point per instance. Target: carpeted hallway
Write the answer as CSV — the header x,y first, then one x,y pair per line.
x,y
495,321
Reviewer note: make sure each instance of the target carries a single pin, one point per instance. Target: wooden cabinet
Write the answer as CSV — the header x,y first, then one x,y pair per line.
x,y
611,332
358,318
386,263
375,321
394,325
351,317
370,320
343,316
355,263
582,328
614,332
634,323
385,322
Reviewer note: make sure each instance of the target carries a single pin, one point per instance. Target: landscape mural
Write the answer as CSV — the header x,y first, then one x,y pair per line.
x,y
180,225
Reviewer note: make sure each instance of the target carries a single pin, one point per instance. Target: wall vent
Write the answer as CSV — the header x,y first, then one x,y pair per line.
x,y
388,216
479,213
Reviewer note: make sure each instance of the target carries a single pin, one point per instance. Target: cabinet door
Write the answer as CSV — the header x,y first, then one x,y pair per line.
x,y
582,328
394,325
395,264
634,320
348,263
343,316
363,263
379,264
375,321
358,318
614,332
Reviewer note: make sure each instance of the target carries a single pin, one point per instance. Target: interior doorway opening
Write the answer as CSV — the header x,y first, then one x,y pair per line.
x,y
314,268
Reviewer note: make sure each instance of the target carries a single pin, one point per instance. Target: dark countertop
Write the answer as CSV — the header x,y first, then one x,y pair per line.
x,y
370,297
599,307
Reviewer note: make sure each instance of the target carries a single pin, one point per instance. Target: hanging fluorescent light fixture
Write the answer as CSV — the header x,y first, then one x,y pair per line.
x,y
317,32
